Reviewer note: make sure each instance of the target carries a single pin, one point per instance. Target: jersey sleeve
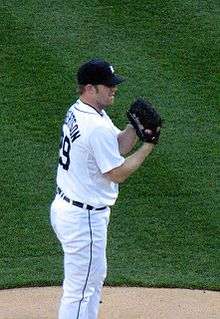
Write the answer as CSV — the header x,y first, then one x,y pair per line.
x,y
104,145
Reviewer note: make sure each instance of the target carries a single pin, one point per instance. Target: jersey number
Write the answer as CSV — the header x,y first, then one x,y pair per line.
x,y
65,146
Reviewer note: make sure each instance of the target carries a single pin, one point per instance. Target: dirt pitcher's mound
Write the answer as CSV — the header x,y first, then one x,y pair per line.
x,y
118,303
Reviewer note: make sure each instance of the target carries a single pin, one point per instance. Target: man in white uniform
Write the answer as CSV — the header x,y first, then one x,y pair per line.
x,y
91,164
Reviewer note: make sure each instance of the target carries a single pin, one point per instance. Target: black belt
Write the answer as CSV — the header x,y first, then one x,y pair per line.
x,y
75,203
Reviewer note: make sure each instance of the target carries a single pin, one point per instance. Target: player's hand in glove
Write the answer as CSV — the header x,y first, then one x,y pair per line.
x,y
145,120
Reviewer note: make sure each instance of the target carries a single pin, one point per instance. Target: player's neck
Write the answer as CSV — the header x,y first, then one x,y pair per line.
x,y
91,104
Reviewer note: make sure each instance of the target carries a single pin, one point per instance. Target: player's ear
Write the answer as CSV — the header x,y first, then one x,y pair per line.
x,y
90,88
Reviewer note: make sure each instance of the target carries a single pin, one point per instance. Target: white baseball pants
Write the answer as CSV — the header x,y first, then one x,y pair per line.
x,y
83,236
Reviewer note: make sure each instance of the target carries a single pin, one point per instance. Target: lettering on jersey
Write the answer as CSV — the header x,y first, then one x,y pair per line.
x,y
70,121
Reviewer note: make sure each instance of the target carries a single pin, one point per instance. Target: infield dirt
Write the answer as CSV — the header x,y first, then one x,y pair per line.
x,y
118,303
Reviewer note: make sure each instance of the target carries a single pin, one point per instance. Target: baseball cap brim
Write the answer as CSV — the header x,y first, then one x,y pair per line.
x,y
114,80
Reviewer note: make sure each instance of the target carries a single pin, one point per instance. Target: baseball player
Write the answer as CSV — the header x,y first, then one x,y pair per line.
x,y
91,164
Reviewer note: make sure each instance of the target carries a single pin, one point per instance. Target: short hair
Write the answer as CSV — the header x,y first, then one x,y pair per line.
x,y
81,89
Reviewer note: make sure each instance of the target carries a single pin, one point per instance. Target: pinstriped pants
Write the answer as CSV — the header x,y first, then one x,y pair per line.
x,y
83,236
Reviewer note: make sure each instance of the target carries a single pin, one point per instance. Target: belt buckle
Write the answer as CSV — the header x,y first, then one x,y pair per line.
x,y
89,207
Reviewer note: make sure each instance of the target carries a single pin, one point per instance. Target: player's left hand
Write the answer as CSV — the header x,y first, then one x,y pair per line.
x,y
146,121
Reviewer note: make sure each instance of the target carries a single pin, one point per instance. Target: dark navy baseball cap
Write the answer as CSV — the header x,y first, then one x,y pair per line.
x,y
98,72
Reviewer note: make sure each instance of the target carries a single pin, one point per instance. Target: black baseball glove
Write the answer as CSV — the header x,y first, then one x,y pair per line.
x,y
145,120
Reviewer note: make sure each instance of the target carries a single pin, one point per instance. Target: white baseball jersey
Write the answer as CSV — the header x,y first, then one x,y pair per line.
x,y
88,149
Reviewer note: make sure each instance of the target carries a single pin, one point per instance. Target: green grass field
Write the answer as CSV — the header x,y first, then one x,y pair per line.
x,y
164,229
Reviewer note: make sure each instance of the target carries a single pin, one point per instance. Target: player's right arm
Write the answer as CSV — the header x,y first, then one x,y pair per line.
x,y
130,165
127,139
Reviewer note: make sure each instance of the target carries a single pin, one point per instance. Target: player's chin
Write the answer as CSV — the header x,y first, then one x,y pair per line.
x,y
109,101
